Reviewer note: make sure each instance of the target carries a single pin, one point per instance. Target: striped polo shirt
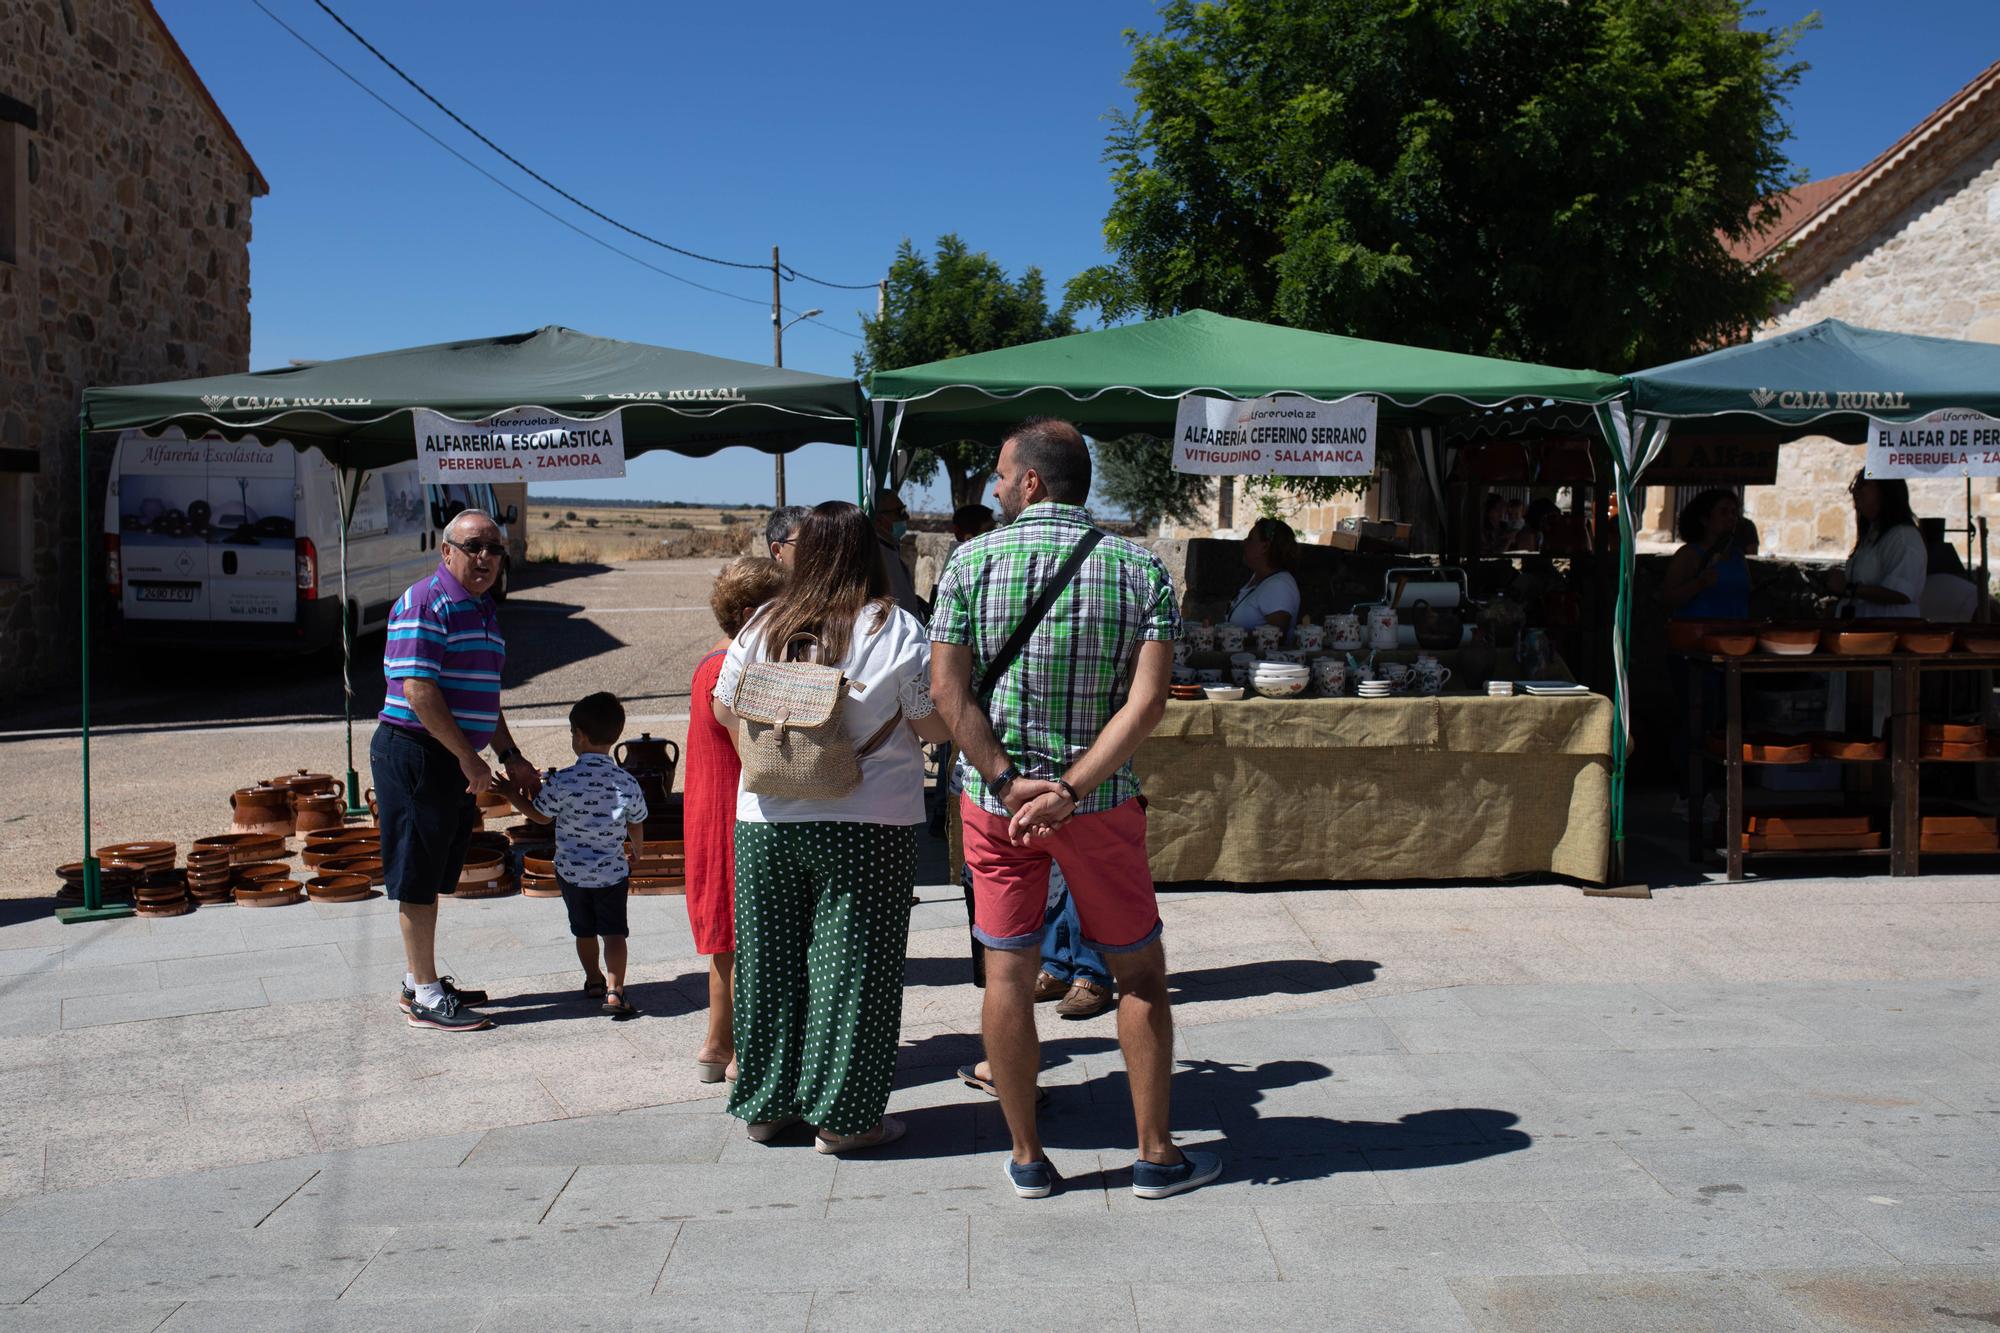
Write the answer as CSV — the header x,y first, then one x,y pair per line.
x,y
440,632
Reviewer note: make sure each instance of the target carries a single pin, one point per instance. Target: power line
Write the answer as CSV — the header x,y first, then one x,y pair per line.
x,y
538,207
784,270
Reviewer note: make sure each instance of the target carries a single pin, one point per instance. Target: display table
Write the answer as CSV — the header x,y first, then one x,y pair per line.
x,y
1450,787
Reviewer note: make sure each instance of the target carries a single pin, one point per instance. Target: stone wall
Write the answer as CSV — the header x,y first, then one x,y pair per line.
x,y
135,267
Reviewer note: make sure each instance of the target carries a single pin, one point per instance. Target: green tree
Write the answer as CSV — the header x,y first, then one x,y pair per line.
x,y
1136,474
1549,180
959,302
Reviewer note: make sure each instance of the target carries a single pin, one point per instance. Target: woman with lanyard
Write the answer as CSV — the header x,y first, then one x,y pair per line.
x,y
1271,597
1883,579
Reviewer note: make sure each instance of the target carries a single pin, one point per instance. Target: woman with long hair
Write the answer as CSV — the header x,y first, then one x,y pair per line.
x,y
823,885
713,773
1885,572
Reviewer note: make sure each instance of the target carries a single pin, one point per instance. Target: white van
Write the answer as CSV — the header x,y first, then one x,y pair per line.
x,y
226,544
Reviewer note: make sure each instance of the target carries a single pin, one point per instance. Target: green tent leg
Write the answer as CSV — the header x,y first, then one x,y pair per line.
x,y
94,907
350,496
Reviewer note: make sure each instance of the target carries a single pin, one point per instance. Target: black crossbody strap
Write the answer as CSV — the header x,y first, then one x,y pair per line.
x,y
997,668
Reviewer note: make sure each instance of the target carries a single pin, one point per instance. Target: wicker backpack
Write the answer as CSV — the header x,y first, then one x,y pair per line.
x,y
793,740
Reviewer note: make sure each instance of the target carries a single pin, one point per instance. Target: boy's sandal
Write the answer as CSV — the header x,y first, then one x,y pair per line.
x,y
969,1075
593,990
615,1003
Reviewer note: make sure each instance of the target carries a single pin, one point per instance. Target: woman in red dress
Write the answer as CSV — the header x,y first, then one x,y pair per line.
x,y
713,772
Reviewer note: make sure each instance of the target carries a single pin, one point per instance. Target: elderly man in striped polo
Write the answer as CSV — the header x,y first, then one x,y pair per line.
x,y
443,662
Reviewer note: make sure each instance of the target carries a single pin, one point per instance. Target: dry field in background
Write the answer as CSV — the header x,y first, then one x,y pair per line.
x,y
574,534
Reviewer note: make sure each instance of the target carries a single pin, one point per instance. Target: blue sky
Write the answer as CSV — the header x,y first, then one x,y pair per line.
x,y
832,131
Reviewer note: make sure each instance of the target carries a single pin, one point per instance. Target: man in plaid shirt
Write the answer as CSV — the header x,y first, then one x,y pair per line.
x,y
1047,771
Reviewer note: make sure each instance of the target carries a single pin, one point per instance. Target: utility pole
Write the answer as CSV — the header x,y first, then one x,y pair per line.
x,y
778,360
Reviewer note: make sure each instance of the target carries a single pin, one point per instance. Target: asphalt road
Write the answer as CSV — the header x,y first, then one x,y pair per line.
x,y
174,732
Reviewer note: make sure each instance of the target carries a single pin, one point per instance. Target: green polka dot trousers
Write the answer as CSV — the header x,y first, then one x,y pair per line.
x,y
822,931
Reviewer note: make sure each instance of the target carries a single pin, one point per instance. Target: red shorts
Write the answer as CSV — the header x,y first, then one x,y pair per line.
x,y
1103,856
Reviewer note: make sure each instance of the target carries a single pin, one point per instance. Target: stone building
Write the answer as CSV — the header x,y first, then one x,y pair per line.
x,y
1909,243
124,258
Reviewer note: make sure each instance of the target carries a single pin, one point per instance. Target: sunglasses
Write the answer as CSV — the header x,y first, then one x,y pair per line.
x,y
478,549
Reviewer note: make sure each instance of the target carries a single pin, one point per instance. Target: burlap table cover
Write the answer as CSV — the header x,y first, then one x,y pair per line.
x,y
1454,787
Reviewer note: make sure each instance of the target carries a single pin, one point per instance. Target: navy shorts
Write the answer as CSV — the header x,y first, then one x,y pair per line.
x,y
427,815
594,912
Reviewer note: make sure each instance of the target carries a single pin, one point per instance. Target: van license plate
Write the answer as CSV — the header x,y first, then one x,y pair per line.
x,y
164,592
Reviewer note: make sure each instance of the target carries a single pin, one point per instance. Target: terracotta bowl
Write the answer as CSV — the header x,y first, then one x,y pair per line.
x,y
540,866
535,886
1791,638
180,907
482,867
1956,732
1984,640
1684,636
1851,751
339,888
487,841
656,886
268,872
143,853
1728,645
1961,824
1861,642
275,893
370,866
1927,641
1955,750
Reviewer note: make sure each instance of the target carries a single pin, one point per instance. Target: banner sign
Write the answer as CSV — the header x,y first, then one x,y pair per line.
x,y
525,444
1715,460
1287,436
1951,442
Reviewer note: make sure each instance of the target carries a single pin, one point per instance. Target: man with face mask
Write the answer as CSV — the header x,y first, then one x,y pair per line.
x,y
892,522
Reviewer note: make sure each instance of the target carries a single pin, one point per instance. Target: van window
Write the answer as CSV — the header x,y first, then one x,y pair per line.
x,y
403,498
371,510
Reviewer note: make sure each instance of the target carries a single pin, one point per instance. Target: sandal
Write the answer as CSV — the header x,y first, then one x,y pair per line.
x,y
969,1076
617,1005
593,990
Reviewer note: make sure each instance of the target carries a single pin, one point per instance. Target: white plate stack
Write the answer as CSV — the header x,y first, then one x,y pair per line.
x,y
1375,689
1279,680
1500,689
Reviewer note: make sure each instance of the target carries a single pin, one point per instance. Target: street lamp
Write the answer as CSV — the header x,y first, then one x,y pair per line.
x,y
778,359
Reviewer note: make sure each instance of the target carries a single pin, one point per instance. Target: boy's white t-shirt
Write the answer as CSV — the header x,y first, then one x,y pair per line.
x,y
892,665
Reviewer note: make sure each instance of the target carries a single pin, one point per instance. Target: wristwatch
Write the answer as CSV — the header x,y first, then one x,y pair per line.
x,y
1007,778
511,752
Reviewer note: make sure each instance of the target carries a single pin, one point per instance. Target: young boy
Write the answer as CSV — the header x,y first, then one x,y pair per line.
x,y
595,806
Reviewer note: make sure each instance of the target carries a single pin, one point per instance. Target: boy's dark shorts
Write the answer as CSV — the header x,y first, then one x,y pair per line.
x,y
427,814
595,912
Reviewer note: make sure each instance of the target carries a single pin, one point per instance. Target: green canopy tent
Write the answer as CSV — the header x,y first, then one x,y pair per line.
x,y
1131,379
358,411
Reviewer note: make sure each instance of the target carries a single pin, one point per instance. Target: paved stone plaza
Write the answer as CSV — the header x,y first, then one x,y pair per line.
x,y
1770,1106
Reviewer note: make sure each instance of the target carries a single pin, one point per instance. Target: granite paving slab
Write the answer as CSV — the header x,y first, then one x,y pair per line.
x,y
1647,1303
1014,1250
475,1260
1404,1240
791,1190
851,1253
218,1263
1718,1231
417,1197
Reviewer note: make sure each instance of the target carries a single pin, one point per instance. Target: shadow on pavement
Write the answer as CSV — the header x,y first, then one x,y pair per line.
x,y
659,999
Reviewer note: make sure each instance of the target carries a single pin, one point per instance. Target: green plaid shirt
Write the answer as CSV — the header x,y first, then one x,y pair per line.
x,y
1076,669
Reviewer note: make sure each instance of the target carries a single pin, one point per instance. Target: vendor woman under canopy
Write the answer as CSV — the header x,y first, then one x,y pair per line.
x,y
1271,596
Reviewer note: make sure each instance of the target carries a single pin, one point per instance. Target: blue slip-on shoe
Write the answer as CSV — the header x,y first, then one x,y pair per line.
x,y
1036,1180
1195,1169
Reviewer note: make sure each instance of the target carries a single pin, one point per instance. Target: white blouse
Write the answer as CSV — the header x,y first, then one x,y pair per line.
x,y
1255,606
892,665
1895,560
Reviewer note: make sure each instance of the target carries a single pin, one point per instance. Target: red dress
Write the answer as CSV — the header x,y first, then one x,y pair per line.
x,y
709,823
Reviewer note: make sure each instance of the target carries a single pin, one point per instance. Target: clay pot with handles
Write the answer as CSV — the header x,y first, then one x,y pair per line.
x,y
651,761
316,810
261,809
302,781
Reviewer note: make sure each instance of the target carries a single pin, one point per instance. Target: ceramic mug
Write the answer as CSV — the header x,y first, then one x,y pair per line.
x,y
1201,636
1382,627
1184,675
1210,675
1310,637
1244,660
1182,648
1268,637
1297,655
1239,675
1330,674
1396,673
1431,677
1230,638
1345,632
